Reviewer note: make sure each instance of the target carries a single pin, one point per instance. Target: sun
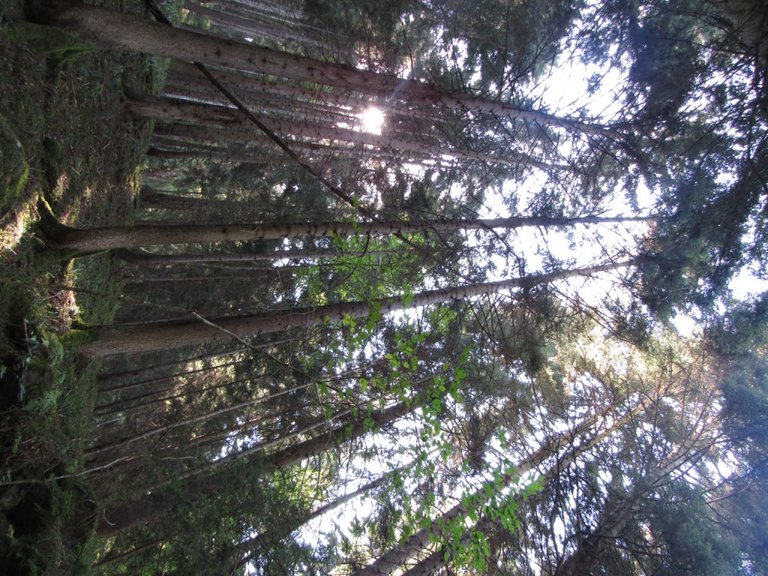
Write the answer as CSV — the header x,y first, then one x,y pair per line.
x,y
371,120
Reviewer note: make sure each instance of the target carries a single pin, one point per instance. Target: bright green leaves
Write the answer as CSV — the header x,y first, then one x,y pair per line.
x,y
404,357
369,268
460,533
406,297
443,388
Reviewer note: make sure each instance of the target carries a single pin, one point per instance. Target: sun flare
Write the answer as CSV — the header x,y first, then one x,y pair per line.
x,y
372,120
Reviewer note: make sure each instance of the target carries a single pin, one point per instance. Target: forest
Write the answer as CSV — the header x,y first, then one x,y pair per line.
x,y
419,287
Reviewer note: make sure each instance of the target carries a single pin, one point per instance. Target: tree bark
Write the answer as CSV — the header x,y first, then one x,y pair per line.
x,y
148,259
94,239
185,80
614,518
141,338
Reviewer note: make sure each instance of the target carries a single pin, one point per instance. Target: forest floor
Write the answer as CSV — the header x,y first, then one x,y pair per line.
x,y
65,139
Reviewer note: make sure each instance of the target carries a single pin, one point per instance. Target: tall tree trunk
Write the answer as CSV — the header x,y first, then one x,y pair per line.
x,y
185,80
116,443
170,142
145,258
614,518
107,385
253,23
141,338
431,565
222,274
162,367
617,512
125,32
93,239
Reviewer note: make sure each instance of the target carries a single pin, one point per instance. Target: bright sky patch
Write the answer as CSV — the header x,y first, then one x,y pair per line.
x,y
372,120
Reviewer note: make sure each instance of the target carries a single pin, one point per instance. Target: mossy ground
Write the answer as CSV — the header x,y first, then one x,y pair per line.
x,y
64,138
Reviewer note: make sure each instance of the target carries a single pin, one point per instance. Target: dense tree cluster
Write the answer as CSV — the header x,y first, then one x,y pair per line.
x,y
443,344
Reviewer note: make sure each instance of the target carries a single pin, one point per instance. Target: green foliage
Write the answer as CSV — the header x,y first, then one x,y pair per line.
x,y
742,329
696,251
496,504
367,30
506,44
746,402
247,503
365,269
695,542
666,59
739,338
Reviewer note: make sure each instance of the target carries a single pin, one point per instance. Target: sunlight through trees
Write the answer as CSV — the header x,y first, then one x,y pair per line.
x,y
399,283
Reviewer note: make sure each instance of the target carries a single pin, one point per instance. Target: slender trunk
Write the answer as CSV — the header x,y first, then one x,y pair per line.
x,y
618,511
141,338
615,516
170,110
431,565
151,284
247,22
155,368
185,80
241,143
118,31
106,386
92,239
162,147
145,258
122,442
398,557
127,515
147,398
192,106
255,546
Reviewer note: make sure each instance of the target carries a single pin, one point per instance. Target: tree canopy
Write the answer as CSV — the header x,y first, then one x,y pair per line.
x,y
453,343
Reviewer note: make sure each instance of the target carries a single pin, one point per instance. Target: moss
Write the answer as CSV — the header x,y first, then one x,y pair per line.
x,y
14,169
78,337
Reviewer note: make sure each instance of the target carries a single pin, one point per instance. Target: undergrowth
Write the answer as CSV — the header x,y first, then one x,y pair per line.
x,y
64,138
